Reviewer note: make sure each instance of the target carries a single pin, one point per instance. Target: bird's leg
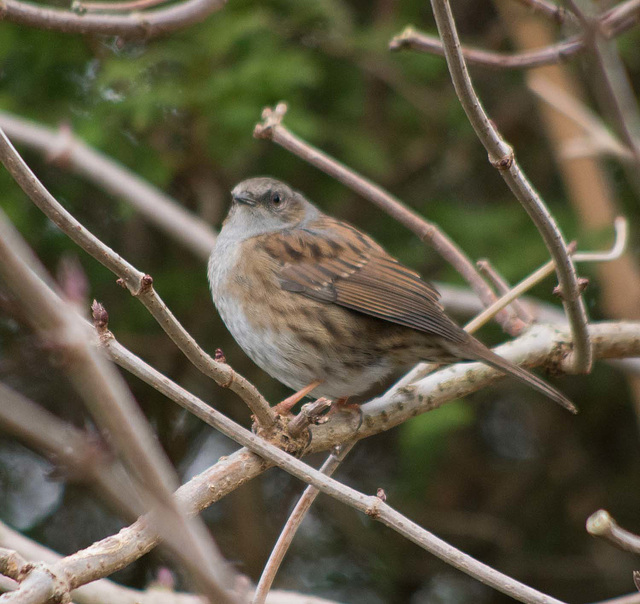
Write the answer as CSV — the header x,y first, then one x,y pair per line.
x,y
288,403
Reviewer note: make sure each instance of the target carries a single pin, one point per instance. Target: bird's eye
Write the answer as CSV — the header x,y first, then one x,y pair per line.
x,y
276,200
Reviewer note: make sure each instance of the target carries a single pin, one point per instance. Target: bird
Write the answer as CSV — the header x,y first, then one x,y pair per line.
x,y
323,308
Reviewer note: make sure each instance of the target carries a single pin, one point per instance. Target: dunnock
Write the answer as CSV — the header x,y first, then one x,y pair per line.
x,y
321,306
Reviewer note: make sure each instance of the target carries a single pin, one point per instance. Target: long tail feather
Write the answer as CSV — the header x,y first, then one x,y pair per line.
x,y
485,355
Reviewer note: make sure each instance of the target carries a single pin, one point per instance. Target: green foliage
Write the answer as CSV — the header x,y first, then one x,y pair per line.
x,y
424,439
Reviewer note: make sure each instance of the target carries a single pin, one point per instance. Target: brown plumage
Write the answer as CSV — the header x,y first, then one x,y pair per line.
x,y
311,298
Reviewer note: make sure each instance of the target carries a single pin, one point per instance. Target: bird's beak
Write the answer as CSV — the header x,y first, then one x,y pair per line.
x,y
243,198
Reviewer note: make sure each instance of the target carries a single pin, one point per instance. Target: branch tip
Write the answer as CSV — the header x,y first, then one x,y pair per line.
x,y
100,316
270,119
599,523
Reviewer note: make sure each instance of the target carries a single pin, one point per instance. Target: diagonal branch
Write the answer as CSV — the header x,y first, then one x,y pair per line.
x,y
293,524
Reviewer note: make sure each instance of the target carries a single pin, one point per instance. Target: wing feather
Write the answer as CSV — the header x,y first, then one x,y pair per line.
x,y
332,262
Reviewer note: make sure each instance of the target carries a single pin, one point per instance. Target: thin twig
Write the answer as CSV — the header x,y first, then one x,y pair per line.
x,y
502,287
621,226
271,128
107,397
410,38
601,524
611,24
293,524
502,158
69,152
138,284
135,25
614,89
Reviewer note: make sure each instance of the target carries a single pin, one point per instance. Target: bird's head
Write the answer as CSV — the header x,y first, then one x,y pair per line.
x,y
262,205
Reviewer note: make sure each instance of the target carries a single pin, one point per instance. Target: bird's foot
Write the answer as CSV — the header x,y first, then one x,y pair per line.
x,y
341,404
284,407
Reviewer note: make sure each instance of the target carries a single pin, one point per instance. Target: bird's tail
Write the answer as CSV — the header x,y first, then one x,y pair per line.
x,y
481,353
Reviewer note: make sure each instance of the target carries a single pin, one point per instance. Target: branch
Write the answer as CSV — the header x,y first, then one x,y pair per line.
x,y
610,24
609,339
502,287
502,158
601,524
582,116
413,39
293,524
138,284
271,128
104,591
621,229
136,25
614,88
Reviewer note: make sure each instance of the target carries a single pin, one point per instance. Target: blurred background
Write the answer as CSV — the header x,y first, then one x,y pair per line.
x,y
504,475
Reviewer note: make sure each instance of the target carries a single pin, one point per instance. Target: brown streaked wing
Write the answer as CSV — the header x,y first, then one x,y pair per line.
x,y
333,262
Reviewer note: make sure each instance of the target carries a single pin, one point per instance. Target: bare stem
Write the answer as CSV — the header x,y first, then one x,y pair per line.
x,y
502,158
610,24
410,38
503,288
293,523
601,524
